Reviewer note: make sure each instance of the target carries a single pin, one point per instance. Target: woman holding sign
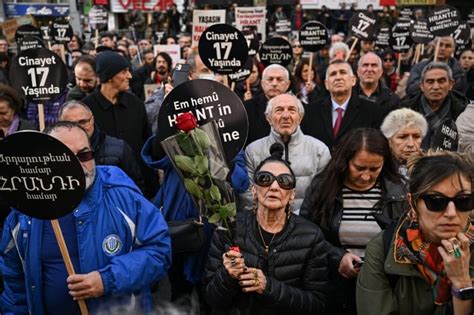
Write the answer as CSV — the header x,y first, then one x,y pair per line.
x,y
10,105
305,81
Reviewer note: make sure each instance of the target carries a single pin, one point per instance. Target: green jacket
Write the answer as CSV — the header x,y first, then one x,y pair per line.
x,y
411,295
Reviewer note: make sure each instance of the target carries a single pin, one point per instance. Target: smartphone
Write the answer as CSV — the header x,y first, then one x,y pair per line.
x,y
180,74
357,264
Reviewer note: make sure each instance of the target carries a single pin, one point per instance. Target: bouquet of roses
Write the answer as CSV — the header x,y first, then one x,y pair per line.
x,y
198,157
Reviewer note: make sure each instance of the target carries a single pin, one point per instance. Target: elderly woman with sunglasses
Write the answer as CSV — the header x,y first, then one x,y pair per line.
x,y
277,261
423,265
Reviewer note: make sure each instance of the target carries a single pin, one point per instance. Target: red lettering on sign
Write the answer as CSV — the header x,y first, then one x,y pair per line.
x,y
124,3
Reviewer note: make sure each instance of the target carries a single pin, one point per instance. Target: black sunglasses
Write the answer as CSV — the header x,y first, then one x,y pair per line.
x,y
388,59
438,203
85,156
265,179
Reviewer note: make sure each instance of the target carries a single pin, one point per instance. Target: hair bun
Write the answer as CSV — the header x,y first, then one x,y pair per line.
x,y
276,151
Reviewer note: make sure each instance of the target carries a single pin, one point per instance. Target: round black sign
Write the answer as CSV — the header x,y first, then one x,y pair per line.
x,y
30,42
207,100
400,39
243,73
446,136
420,33
253,42
443,20
42,179
223,48
61,32
313,36
26,30
98,17
406,12
462,34
382,38
38,74
362,25
404,22
45,32
276,50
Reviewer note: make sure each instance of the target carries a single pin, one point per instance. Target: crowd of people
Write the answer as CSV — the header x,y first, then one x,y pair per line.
x,y
343,206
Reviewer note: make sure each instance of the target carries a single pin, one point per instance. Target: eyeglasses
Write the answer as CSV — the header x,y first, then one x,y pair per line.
x,y
84,122
388,59
265,179
296,46
438,202
85,156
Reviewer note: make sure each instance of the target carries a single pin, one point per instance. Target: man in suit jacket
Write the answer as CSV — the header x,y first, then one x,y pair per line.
x,y
329,119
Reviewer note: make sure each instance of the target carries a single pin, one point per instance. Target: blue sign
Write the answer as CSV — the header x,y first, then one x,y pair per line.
x,y
36,9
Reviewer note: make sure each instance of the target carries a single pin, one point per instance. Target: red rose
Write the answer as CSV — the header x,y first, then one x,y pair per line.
x,y
186,122
235,248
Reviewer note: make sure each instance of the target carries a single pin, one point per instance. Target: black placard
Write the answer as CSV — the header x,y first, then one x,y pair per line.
x,y
39,175
223,48
253,42
26,30
443,20
276,50
208,100
38,74
362,26
406,13
30,42
382,38
420,33
446,137
462,34
470,18
98,17
404,22
283,27
61,32
313,36
45,32
243,73
400,39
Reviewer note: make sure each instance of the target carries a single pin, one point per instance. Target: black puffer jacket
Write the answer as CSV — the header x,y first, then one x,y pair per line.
x,y
296,269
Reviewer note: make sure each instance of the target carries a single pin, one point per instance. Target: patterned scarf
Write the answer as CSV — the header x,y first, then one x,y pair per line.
x,y
411,248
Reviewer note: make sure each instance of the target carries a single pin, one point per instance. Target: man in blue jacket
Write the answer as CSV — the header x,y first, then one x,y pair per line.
x,y
118,243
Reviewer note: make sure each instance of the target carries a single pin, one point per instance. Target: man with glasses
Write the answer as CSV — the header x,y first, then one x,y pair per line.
x,y
370,89
117,240
107,150
275,81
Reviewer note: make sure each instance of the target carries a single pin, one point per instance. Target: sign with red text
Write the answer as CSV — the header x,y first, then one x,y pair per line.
x,y
123,6
202,19
252,16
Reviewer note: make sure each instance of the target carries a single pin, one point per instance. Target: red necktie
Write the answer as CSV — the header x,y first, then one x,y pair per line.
x,y
337,125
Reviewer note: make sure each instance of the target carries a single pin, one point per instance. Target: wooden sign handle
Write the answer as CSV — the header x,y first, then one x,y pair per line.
x,y
67,259
41,117
436,50
352,48
399,64
310,67
247,85
96,38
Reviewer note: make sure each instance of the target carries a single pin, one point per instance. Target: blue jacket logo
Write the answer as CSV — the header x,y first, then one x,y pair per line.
x,y
111,245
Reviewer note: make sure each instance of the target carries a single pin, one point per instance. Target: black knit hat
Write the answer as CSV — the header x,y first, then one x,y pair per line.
x,y
108,64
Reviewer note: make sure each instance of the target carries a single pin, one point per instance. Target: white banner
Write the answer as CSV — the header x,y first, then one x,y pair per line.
x,y
202,19
252,16
335,4
173,50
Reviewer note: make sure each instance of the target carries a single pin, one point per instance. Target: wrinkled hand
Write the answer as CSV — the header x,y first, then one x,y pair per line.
x,y
346,267
168,87
310,86
85,286
234,263
457,268
247,95
253,280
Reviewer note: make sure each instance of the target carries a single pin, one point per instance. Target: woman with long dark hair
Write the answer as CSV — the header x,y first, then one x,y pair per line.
x,y
305,81
352,199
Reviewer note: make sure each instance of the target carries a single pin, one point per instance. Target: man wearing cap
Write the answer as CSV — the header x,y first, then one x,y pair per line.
x,y
118,112
117,240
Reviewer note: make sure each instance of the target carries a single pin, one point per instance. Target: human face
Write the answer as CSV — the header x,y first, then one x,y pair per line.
x,y
467,60
436,85
161,65
148,59
6,114
274,83
307,72
437,226
363,170
121,81
106,41
170,41
388,62
284,116
184,41
86,79
3,46
273,197
297,48
405,143
75,55
80,116
366,46
254,75
201,70
133,50
339,80
370,69
76,140
73,44
144,44
336,38
446,48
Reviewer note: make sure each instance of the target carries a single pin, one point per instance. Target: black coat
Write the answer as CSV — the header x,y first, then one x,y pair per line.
x,y
258,124
317,121
383,97
296,269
